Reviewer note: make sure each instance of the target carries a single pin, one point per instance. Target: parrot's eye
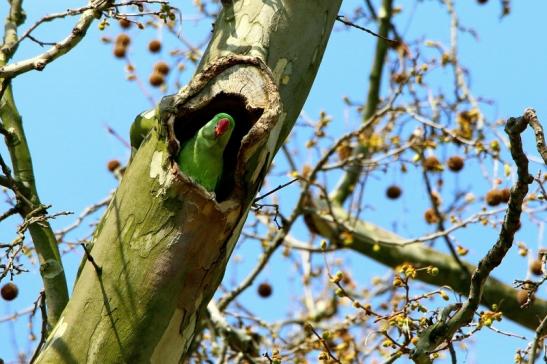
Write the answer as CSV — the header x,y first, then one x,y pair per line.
x,y
222,126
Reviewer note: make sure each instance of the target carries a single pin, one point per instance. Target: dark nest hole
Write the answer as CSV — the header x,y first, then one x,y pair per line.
x,y
188,124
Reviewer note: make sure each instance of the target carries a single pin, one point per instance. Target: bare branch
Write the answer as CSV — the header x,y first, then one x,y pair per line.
x,y
434,335
440,223
59,235
445,130
238,340
350,178
8,181
17,314
15,18
8,213
345,21
40,61
4,181
323,343
263,260
90,258
540,333
538,131
40,302
28,202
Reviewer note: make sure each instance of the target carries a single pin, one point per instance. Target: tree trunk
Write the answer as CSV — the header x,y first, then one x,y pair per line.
x,y
162,247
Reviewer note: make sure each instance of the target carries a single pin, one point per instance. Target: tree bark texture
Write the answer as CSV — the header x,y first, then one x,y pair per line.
x,y
164,242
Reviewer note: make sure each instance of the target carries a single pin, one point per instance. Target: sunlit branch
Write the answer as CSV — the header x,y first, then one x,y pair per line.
x,y
434,335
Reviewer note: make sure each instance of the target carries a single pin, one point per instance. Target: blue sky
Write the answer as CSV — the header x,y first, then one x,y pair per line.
x,y
65,109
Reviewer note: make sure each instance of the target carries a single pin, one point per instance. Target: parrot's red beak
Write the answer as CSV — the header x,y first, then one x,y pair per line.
x,y
222,127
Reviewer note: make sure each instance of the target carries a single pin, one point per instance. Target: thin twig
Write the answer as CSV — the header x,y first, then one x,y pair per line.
x,y
116,135
10,212
40,302
538,131
90,258
440,225
453,358
275,190
349,179
78,11
342,19
12,184
540,333
40,61
59,235
323,343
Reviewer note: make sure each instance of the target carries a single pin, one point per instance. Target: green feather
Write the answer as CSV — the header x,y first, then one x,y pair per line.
x,y
142,125
201,158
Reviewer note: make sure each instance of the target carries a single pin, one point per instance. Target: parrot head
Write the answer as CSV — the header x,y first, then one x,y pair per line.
x,y
219,129
222,127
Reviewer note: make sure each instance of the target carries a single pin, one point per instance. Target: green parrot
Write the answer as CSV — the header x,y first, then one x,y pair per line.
x,y
142,125
201,158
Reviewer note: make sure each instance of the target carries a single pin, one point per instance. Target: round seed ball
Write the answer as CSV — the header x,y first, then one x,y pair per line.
x,y
536,267
393,192
119,51
156,79
124,23
161,67
9,291
123,39
154,46
455,163
264,290
430,216
522,297
494,197
432,164
113,164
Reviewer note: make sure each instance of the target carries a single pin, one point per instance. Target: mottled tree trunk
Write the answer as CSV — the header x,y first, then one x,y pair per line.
x,y
163,244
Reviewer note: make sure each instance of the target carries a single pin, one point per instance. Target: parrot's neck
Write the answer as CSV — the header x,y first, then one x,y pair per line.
x,y
207,138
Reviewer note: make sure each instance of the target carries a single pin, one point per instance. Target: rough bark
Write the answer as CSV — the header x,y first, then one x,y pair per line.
x,y
163,244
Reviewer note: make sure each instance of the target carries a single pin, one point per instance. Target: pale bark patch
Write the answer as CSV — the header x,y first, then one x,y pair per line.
x,y
173,338
156,168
